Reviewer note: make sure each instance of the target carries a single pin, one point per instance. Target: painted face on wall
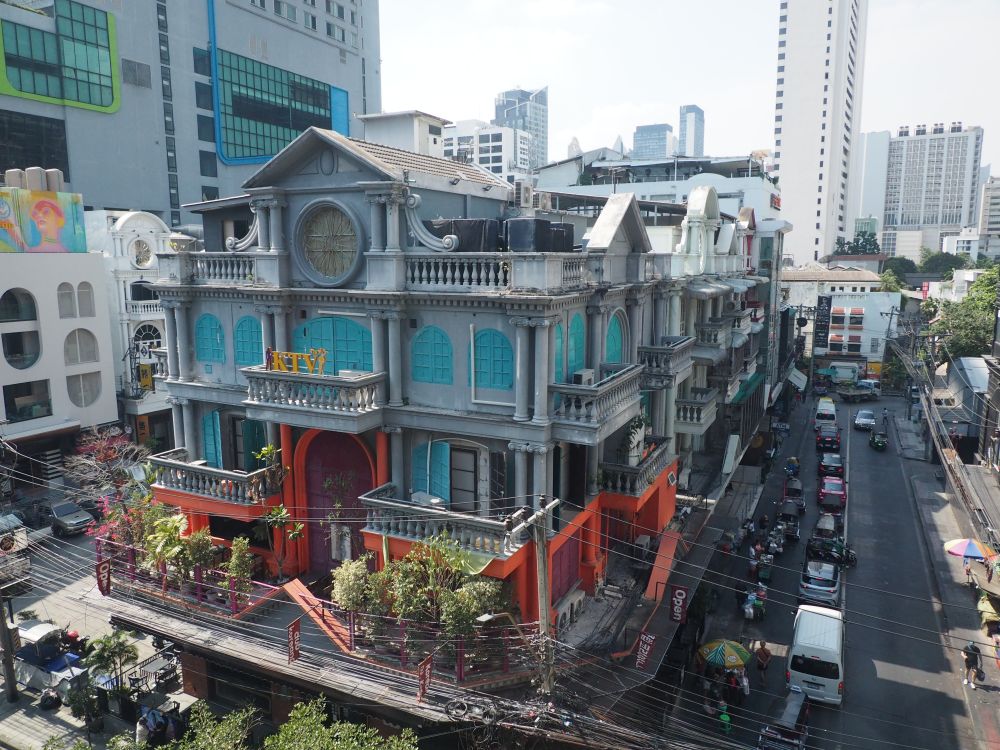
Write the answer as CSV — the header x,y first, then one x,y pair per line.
x,y
49,219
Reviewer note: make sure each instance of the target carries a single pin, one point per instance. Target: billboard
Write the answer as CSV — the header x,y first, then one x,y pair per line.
x,y
41,222
821,326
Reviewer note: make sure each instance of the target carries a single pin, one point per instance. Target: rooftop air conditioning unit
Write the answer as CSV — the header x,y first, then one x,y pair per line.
x,y
542,201
523,194
583,377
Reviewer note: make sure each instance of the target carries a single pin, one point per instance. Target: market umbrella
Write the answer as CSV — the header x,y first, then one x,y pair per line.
x,y
967,548
723,653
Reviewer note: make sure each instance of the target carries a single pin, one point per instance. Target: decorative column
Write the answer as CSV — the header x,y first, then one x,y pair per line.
x,y
657,408
598,337
183,341
178,419
190,434
593,466
674,317
396,459
262,211
281,328
376,205
692,316
170,323
520,473
633,309
542,370
272,433
392,223
395,374
521,368
539,473
378,351
670,410
659,317
266,328
706,310
276,226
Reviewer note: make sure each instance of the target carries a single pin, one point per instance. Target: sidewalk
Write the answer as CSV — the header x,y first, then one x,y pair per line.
x,y
25,726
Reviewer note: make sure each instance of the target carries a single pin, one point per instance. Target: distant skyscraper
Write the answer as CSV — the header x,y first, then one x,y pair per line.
x,y
821,55
692,126
652,141
527,110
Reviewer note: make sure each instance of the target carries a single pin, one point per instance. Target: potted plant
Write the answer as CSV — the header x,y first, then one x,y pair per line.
x,y
165,545
200,554
239,570
112,655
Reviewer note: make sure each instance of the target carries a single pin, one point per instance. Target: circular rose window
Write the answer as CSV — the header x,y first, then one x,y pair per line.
x,y
329,243
142,254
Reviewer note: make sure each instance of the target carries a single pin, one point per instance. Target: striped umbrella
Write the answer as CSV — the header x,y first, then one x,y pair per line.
x,y
723,653
968,548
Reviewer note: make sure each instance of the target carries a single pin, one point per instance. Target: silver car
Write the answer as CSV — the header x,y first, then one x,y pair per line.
x,y
820,583
864,420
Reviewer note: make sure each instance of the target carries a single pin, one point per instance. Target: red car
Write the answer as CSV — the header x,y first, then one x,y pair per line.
x,y
828,439
832,495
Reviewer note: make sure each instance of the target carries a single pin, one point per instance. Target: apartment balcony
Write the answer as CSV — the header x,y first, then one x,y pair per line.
x,y
390,515
742,321
587,414
343,403
668,363
480,273
176,472
633,480
229,269
697,413
144,309
716,332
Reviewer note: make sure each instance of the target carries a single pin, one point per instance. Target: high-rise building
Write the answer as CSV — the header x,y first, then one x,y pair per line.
x,y
501,150
153,105
922,184
653,141
821,51
989,217
692,128
528,111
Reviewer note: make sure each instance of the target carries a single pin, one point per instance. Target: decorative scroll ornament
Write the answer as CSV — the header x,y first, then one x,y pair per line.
x,y
448,243
235,245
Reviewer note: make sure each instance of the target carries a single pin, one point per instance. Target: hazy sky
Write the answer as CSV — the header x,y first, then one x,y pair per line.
x,y
613,64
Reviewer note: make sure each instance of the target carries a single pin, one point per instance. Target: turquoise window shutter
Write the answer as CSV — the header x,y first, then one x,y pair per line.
x,y
560,373
441,470
577,343
212,435
615,341
209,341
248,342
418,469
348,345
253,441
494,360
431,357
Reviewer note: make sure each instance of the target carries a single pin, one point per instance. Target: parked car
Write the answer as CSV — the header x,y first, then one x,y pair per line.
x,y
828,439
66,518
864,419
830,465
820,583
832,494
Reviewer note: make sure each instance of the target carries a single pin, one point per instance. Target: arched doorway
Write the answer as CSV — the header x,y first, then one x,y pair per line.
x,y
338,468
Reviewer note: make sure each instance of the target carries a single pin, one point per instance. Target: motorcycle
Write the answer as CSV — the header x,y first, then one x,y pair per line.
x,y
878,440
792,467
832,551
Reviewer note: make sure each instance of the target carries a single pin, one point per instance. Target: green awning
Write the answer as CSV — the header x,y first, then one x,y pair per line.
x,y
748,387
830,372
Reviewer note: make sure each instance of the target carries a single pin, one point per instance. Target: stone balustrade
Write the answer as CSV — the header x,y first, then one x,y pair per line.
x,y
633,480
145,307
318,393
699,409
717,332
389,515
488,272
670,359
593,405
175,472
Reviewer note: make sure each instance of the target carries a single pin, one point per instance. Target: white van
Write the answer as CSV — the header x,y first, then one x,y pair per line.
x,y
816,657
826,413
873,385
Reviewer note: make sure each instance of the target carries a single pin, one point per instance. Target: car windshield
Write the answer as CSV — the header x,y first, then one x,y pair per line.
x,y
832,459
832,485
820,574
828,432
866,414
64,509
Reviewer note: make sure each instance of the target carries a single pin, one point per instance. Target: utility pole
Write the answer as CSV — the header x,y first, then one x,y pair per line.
x,y
7,642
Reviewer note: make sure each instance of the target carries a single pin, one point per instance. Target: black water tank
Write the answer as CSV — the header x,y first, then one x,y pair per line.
x,y
527,235
562,237
474,235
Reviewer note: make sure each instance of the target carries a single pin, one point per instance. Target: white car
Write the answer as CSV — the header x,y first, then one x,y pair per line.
x,y
820,583
864,420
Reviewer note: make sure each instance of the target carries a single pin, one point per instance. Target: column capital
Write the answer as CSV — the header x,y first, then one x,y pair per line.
x,y
390,429
542,322
597,309
520,321
518,447
539,449
178,401
393,315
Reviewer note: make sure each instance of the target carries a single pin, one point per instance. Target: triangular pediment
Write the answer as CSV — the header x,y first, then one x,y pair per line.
x,y
619,229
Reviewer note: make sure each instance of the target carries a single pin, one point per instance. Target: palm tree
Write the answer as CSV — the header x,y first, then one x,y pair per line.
x,y
166,544
112,655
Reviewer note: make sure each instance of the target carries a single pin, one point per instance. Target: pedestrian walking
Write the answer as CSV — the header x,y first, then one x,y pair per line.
x,y
973,664
763,656
885,417
967,562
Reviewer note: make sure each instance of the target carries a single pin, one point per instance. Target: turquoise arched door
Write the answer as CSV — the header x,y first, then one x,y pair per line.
x,y
348,345
615,341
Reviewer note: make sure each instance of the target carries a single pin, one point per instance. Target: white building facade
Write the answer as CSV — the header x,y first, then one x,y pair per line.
x,y
692,131
821,51
989,217
504,151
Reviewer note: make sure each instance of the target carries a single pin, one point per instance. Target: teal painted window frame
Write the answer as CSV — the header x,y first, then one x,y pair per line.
x,y
209,339
431,358
560,374
614,341
494,360
348,344
254,439
439,482
212,437
248,342
577,343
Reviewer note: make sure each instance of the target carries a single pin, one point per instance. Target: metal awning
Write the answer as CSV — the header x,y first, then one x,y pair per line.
x,y
739,284
704,291
797,379
739,339
747,388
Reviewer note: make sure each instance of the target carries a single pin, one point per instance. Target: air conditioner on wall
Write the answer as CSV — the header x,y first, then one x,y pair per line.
x,y
583,377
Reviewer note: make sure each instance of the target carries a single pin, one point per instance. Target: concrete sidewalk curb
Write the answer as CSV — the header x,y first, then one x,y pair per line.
x,y
935,577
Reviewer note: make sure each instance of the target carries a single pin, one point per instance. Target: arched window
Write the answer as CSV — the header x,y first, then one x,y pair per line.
x,y
577,345
84,389
67,300
430,357
348,345
80,346
85,299
615,341
560,374
148,337
494,364
248,340
17,305
209,341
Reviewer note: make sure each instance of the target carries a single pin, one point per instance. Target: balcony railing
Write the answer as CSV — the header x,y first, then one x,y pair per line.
x,y
389,515
221,269
717,332
225,268
494,272
593,405
175,472
698,410
633,480
145,307
670,359
742,320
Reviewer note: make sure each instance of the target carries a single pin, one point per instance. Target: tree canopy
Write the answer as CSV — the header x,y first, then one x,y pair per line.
x,y
864,243
899,266
942,263
891,282
968,325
